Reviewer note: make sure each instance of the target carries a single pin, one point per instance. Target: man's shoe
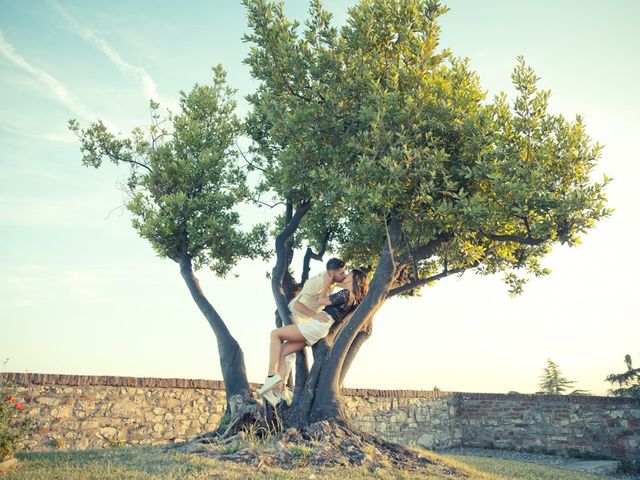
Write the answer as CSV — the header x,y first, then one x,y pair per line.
x,y
269,383
286,396
271,398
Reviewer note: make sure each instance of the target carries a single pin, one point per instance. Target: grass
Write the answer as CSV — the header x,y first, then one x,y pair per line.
x,y
151,463
520,470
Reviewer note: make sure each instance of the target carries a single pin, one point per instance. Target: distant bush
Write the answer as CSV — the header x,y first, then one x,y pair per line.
x,y
628,382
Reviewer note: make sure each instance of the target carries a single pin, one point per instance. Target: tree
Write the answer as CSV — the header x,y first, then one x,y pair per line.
x,y
628,382
552,382
182,189
383,150
391,143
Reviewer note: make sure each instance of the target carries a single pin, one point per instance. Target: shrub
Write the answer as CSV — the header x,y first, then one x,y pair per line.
x,y
298,451
58,443
15,426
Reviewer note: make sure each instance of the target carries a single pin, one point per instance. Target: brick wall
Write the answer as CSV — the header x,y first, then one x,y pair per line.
x,y
566,425
82,412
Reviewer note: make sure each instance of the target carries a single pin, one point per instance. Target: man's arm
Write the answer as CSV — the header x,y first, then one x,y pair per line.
x,y
303,309
326,291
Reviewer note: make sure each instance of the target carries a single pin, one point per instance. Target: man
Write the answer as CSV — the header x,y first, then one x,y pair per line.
x,y
305,305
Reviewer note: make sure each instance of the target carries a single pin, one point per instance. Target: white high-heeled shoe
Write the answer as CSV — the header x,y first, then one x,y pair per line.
x,y
271,398
269,383
286,396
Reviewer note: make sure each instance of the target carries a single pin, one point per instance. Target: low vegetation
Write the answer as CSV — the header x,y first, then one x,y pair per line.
x,y
155,463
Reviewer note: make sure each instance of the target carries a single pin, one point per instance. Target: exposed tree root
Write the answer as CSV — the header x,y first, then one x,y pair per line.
x,y
245,416
323,444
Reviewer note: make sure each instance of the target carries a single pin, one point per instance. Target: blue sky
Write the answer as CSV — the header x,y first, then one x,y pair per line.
x,y
81,293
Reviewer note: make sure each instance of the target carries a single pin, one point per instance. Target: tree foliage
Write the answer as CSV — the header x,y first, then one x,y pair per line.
x,y
552,382
628,382
383,148
374,118
184,182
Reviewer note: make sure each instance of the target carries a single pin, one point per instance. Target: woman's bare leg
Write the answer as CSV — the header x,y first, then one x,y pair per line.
x,y
290,333
287,348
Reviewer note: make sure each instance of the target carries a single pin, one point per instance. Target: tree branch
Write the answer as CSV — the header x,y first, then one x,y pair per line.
x,y
113,156
249,162
422,281
425,251
270,205
309,255
282,260
525,240
296,94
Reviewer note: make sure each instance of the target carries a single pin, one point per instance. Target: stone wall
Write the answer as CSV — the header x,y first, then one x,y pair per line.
x,y
428,419
562,424
82,412
85,412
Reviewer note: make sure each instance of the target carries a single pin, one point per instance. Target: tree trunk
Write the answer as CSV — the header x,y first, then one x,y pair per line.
x,y
281,288
298,414
234,373
321,397
326,404
280,268
362,337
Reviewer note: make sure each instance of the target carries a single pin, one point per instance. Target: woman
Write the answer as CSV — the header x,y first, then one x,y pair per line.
x,y
296,337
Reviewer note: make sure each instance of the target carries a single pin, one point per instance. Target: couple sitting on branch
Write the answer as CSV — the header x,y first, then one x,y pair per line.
x,y
313,312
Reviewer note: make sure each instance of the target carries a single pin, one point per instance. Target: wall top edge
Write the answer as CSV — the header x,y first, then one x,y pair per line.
x,y
56,379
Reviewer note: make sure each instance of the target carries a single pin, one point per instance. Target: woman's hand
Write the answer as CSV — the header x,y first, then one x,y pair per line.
x,y
322,317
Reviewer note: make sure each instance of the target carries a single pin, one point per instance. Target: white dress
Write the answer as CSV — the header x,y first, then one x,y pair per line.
x,y
314,329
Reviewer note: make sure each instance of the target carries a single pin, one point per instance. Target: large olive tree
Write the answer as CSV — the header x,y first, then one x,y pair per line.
x,y
384,143
183,187
383,149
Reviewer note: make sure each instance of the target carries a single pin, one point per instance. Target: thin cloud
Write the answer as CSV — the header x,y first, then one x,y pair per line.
x,y
149,86
50,136
75,212
55,86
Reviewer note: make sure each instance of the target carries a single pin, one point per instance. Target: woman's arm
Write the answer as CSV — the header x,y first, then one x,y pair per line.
x,y
338,298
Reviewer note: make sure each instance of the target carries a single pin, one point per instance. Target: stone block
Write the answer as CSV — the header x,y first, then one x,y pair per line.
x,y
62,411
426,440
107,432
50,401
125,408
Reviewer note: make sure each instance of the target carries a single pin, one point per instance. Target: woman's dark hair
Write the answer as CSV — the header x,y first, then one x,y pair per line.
x,y
335,264
360,286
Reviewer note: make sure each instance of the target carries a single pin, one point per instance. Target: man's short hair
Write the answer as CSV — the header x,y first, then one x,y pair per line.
x,y
335,264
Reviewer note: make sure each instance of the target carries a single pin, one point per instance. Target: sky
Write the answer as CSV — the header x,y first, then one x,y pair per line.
x,y
81,293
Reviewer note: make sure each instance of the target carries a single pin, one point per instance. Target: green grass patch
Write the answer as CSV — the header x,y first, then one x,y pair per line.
x,y
299,451
152,463
521,470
